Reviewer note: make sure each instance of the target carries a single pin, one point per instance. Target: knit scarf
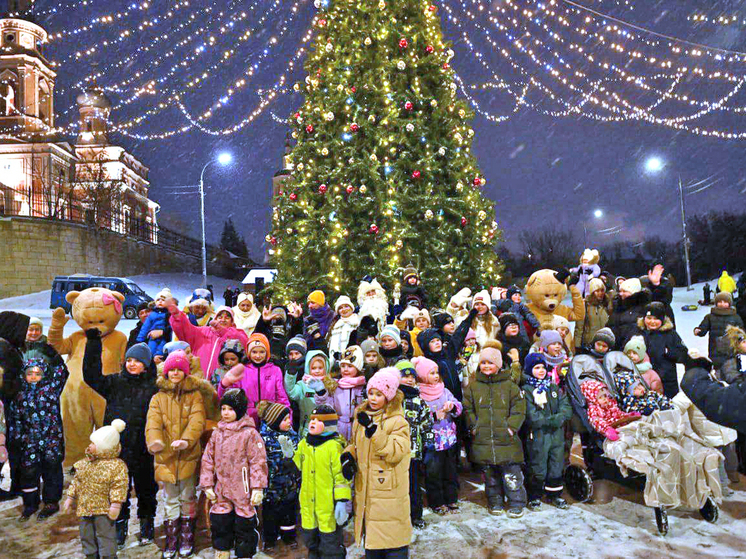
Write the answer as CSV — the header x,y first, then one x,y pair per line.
x,y
430,392
246,320
351,382
541,386
554,361
324,316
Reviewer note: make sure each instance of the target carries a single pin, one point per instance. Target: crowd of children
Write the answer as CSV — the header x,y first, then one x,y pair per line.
x,y
342,412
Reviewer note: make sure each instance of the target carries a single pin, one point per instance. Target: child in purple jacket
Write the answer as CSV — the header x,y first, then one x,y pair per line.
x,y
441,455
350,392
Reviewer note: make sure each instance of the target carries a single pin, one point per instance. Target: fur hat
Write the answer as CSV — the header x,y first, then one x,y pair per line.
x,y
343,300
493,355
482,297
257,339
591,256
175,346
424,366
369,345
106,438
386,381
631,285
201,296
353,355
595,284
549,337
236,399
512,290
506,319
297,343
327,415
229,310
141,352
604,335
440,319
176,360
533,359
735,337
636,345
656,309
393,332
272,413
317,297
406,368
724,296
164,293
243,296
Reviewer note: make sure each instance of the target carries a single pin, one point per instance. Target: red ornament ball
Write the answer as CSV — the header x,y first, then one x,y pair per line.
x,y
296,115
373,229
353,89
322,22
477,181
416,174
309,128
350,189
273,240
403,43
293,196
446,65
463,222
408,105
433,8
429,49
322,189
354,127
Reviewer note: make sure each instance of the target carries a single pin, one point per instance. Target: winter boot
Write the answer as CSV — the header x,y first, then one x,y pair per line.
x,y
30,504
288,537
48,510
171,548
515,512
146,530
558,502
186,545
534,504
121,525
710,511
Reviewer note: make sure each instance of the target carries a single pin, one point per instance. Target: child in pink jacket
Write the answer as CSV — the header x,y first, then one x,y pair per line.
x,y
234,476
260,379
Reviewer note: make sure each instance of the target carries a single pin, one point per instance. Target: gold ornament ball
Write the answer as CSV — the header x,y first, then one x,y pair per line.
x,y
434,103
462,113
363,189
483,181
429,214
373,157
324,152
301,166
399,244
381,5
294,135
296,87
482,214
367,42
372,118
289,230
459,186
268,237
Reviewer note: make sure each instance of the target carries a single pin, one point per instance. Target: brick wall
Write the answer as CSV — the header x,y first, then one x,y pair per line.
x,y
34,251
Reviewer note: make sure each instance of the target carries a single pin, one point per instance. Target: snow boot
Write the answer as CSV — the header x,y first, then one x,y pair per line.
x,y
48,510
418,523
454,508
171,547
661,520
710,511
30,504
146,530
288,537
515,512
559,502
186,545
122,525
534,504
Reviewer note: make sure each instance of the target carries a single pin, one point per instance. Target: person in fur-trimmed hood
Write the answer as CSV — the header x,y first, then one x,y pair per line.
x,y
378,456
176,420
234,476
344,326
715,324
735,367
665,347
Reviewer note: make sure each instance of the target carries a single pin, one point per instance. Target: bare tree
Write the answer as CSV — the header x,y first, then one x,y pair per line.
x,y
101,196
550,248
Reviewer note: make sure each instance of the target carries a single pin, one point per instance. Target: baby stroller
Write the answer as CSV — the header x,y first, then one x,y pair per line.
x,y
579,480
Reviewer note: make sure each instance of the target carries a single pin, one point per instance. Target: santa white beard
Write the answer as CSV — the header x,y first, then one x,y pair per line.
x,y
376,308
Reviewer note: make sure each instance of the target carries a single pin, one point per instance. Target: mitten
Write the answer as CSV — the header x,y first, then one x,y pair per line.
x,y
349,466
286,446
114,510
611,434
562,275
257,496
234,375
155,447
340,513
93,333
364,419
317,385
179,444
574,279
59,318
210,494
460,299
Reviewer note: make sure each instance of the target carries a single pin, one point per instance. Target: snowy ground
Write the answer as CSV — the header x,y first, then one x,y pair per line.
x,y
616,524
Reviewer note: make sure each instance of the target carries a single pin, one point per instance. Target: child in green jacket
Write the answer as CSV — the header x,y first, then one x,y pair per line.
x,y
324,490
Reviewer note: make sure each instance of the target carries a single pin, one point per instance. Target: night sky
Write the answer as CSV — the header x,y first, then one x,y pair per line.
x,y
541,171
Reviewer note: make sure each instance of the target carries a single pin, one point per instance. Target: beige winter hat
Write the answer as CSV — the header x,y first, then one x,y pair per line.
x,y
107,438
632,285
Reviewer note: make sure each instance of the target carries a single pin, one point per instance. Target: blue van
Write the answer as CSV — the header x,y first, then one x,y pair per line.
x,y
133,294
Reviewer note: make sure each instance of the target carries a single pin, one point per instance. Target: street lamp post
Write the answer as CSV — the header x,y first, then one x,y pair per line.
x,y
223,159
654,165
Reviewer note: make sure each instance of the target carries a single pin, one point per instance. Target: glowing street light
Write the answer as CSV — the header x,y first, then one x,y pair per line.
x,y
654,164
598,214
224,159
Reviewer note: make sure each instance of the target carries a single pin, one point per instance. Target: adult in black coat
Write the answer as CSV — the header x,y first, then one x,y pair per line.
x,y
447,356
722,404
626,310
664,345
660,286
143,310
128,398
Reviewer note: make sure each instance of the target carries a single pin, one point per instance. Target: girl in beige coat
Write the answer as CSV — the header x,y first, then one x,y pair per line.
x,y
380,451
176,420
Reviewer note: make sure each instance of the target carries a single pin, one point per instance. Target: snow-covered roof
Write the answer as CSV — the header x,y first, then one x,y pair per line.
x,y
267,274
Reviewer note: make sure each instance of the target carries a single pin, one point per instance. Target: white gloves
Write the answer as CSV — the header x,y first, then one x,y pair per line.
x,y
257,496
286,445
461,298
340,513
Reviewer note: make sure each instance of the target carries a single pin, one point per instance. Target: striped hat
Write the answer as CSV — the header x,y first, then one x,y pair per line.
x,y
272,413
393,332
327,416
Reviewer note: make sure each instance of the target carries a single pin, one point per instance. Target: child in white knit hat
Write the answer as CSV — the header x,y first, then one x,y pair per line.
x,y
98,490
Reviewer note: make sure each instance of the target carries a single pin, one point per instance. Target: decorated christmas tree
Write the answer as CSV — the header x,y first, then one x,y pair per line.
x,y
383,174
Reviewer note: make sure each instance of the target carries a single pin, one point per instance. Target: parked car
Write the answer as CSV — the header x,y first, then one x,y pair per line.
x,y
133,293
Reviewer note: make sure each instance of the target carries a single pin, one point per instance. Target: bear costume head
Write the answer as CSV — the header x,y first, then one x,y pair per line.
x,y
545,291
96,307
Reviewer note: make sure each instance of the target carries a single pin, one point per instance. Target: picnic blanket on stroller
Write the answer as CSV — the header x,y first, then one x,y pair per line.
x,y
681,469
